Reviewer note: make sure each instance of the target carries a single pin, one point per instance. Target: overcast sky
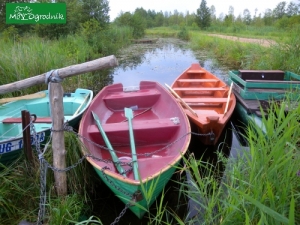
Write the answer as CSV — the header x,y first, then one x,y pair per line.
x,y
222,6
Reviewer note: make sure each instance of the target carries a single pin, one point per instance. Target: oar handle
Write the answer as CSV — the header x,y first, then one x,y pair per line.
x,y
129,116
227,103
109,146
181,100
82,104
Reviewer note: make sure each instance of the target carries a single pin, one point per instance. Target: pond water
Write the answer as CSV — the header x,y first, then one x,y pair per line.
x,y
163,62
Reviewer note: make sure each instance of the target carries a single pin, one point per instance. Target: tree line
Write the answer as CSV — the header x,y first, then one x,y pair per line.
x,y
94,15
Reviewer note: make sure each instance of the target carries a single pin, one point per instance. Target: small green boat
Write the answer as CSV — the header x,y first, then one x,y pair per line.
x,y
265,84
255,90
11,132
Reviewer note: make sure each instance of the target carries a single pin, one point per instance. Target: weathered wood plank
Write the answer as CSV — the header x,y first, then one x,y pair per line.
x,y
98,64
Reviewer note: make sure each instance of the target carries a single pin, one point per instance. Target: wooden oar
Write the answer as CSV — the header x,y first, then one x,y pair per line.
x,y
84,101
109,146
24,97
129,116
181,100
227,103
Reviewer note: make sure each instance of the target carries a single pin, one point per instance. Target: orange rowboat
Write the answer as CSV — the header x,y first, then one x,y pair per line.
x,y
208,101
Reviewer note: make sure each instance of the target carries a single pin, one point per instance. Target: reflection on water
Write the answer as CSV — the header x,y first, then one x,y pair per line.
x,y
161,62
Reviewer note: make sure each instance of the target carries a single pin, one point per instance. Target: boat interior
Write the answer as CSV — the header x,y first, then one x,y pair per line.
x,y
11,120
156,126
202,91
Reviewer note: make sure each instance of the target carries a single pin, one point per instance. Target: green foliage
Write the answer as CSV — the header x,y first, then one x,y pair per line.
x,y
136,21
96,9
183,34
10,34
203,17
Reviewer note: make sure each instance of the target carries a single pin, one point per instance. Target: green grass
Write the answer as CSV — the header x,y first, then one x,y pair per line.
x,y
239,55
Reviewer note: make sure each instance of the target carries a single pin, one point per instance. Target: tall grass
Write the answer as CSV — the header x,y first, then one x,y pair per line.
x,y
261,186
29,56
21,181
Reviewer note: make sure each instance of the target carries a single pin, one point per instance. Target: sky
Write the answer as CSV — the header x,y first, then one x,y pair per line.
x,y
222,6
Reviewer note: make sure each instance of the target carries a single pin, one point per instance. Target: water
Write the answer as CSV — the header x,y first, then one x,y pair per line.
x,y
163,62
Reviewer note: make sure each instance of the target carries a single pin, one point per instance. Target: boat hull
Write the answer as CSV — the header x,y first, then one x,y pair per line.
x,y
209,99
11,141
161,137
256,90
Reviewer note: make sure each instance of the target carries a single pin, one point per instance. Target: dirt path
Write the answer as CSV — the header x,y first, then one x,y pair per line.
x,y
263,42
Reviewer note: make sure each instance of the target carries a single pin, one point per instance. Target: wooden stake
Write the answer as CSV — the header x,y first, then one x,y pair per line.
x,y
58,141
26,136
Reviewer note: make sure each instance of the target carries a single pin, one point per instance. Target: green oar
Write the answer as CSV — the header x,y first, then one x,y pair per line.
x,y
109,146
129,116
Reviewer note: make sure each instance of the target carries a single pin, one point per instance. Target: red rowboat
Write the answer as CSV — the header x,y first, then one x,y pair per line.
x,y
146,133
208,101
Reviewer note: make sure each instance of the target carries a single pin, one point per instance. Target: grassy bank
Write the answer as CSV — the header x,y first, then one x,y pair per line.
x,y
30,55
284,55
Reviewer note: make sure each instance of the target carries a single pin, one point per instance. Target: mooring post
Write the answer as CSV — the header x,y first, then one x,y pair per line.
x,y
26,135
58,141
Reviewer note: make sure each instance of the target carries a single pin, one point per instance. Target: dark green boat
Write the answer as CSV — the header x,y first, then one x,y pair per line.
x,y
11,132
265,84
256,90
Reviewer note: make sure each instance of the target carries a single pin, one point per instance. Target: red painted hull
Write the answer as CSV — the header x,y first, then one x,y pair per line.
x,y
160,141
207,96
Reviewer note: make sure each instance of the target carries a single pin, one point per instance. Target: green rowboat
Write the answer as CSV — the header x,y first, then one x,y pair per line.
x,y
255,90
11,132
265,84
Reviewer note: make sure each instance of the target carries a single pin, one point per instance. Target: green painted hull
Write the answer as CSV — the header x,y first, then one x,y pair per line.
x,y
246,118
271,90
150,190
11,136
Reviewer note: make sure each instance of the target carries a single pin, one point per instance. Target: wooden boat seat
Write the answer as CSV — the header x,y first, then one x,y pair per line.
x,y
119,100
200,89
198,80
275,81
19,120
205,100
145,131
196,71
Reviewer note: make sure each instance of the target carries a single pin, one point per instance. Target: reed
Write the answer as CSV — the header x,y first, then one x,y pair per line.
x,y
260,186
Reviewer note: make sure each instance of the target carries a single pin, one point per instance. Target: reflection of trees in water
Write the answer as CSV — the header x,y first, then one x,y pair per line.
x,y
135,55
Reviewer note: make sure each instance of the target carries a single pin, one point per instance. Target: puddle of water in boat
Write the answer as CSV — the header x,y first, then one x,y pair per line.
x,y
163,62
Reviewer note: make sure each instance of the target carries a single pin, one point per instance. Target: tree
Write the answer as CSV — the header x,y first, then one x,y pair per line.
x,y
213,13
280,10
247,17
268,17
96,9
292,9
203,15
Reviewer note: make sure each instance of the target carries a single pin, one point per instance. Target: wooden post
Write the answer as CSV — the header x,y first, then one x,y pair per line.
x,y
58,141
26,136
